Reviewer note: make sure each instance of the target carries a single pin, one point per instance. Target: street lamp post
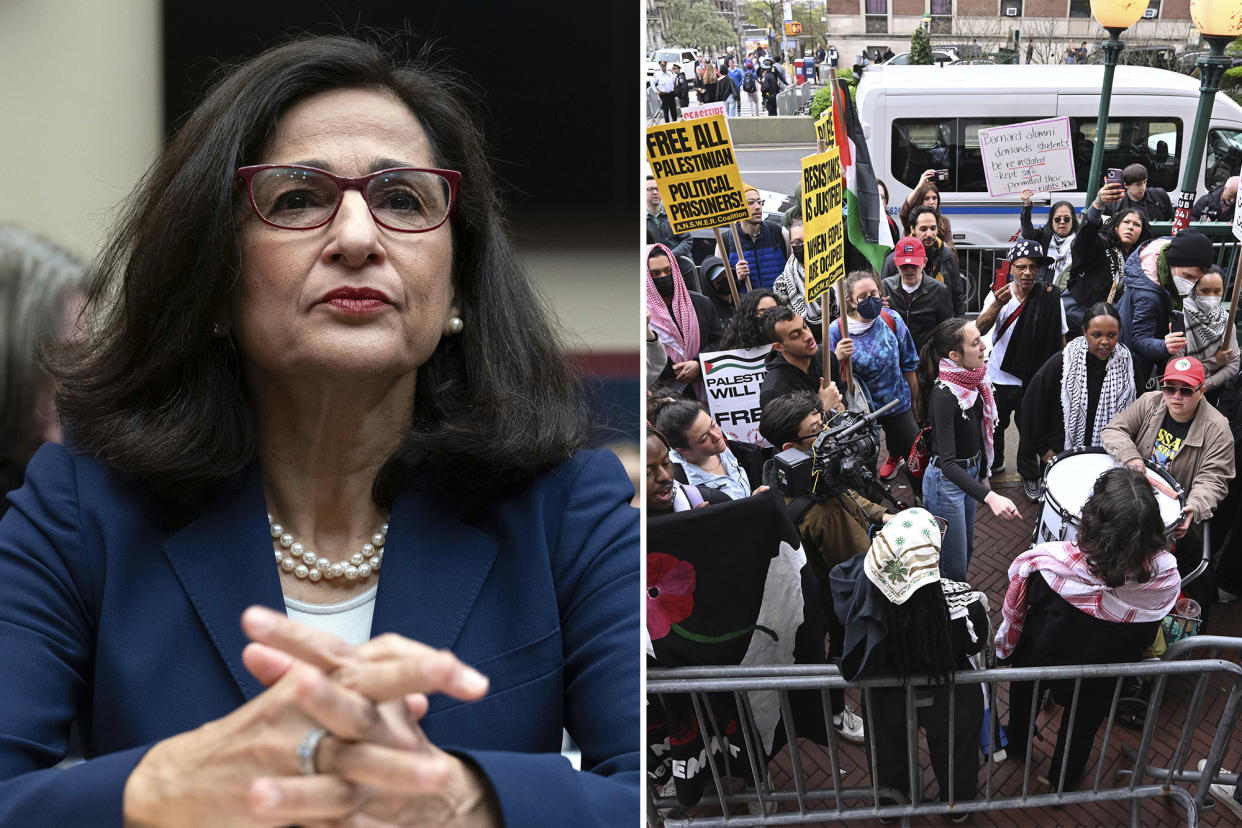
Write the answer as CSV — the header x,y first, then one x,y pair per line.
x,y
1219,21
1115,16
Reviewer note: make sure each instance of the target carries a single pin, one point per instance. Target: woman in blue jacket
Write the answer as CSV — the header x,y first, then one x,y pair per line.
x,y
1158,277
315,380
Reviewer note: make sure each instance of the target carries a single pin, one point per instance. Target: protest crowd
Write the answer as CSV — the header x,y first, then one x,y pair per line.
x,y
1102,349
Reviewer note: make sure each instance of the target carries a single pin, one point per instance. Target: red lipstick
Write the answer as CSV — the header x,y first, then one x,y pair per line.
x,y
356,299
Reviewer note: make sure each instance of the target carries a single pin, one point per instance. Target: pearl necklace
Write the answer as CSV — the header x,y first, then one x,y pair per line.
x,y
293,556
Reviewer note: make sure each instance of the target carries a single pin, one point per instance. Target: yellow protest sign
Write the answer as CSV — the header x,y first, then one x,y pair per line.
x,y
696,171
823,129
822,196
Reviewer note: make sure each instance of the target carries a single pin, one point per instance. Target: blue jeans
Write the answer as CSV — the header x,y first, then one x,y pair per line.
x,y
945,500
730,106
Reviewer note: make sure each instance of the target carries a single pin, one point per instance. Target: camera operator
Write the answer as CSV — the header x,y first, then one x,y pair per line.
x,y
833,530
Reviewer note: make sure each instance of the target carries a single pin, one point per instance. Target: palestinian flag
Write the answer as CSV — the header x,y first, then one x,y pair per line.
x,y
727,584
865,225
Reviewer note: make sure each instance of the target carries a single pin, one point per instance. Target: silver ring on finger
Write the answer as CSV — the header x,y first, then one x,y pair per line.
x,y
307,748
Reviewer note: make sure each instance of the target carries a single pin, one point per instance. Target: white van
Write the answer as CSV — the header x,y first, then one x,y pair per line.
x,y
917,118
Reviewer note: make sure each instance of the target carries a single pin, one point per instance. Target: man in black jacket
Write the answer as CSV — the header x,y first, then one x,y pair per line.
x,y
922,301
795,362
1151,200
1218,205
941,261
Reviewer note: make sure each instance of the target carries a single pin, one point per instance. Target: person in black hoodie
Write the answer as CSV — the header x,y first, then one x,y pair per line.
x,y
796,362
716,285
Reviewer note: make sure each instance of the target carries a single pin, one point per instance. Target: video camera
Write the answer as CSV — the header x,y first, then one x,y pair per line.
x,y
840,459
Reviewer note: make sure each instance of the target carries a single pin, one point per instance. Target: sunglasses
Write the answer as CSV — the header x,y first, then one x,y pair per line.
x,y
1178,390
1062,220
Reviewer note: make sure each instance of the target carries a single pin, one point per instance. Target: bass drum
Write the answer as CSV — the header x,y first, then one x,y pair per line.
x,y
1070,479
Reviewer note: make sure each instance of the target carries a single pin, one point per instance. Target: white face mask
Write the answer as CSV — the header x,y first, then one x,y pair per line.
x,y
1208,304
1184,286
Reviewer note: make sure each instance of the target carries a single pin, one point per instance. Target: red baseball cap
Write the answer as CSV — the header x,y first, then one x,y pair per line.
x,y
1186,369
909,250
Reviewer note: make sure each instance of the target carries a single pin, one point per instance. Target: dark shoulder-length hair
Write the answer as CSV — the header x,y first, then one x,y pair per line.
x,y
1109,231
157,396
1121,530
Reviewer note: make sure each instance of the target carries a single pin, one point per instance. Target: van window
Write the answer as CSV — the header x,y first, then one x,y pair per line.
x,y
920,144
1156,144
925,144
1224,156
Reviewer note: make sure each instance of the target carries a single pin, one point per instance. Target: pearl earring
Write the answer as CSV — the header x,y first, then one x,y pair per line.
x,y
454,326
219,330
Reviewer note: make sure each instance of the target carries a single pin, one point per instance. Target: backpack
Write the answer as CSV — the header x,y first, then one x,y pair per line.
x,y
748,81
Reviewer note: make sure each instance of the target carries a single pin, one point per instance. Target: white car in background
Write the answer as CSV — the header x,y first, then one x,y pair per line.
x,y
903,58
672,54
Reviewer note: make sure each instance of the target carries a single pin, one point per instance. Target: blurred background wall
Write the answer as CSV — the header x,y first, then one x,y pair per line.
x,y
91,88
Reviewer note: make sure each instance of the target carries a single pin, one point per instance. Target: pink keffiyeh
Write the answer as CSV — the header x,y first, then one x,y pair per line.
x,y
967,386
678,330
1065,568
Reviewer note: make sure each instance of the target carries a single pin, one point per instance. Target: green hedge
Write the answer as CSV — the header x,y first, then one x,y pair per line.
x,y
823,98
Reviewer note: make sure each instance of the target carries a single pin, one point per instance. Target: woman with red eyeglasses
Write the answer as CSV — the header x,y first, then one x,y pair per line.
x,y
1180,431
322,545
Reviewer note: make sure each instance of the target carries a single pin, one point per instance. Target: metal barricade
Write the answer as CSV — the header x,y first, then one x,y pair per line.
x,y
791,98
804,803
1209,647
978,264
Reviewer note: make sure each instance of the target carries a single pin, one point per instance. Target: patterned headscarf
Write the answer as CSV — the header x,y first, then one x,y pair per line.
x,y
967,386
904,555
678,330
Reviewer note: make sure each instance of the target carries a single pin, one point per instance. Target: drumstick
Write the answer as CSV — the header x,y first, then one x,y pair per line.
x,y
1158,483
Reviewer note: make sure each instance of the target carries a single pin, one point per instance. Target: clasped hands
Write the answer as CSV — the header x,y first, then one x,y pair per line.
x,y
374,766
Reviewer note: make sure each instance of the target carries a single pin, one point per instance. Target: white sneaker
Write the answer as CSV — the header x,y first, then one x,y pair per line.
x,y
1222,793
849,726
1224,596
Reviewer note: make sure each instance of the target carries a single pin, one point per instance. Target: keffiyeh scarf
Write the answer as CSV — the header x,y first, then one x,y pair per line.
x,y
1205,327
967,386
1116,392
1059,249
678,330
959,595
1065,569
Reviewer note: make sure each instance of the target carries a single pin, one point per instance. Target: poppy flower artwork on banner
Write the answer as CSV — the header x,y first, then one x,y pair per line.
x,y
670,593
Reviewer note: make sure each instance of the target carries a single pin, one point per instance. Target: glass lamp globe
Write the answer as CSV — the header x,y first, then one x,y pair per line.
x,y
1117,14
1217,17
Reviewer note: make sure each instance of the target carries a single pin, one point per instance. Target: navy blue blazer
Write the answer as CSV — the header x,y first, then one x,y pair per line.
x,y
116,615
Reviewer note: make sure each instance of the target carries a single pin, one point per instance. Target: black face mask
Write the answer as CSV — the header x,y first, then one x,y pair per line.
x,y
797,251
663,285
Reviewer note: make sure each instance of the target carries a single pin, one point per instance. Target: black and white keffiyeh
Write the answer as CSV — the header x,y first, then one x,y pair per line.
x,y
1116,392
1205,326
